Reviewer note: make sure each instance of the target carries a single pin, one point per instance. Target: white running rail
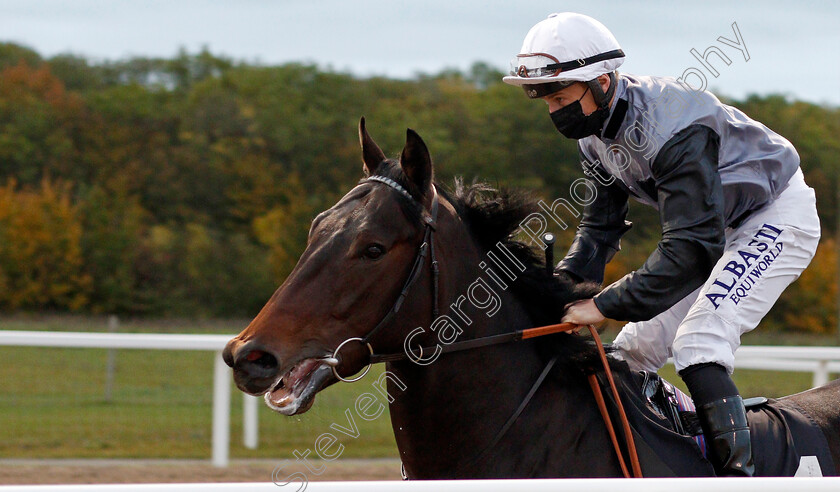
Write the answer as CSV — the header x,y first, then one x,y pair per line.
x,y
162,341
821,361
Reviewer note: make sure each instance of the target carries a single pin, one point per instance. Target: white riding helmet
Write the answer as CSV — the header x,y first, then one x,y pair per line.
x,y
563,49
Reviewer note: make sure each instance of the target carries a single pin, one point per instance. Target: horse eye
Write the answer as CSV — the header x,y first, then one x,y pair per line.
x,y
374,251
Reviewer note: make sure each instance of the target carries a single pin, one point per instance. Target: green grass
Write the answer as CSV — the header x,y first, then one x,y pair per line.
x,y
771,384
52,402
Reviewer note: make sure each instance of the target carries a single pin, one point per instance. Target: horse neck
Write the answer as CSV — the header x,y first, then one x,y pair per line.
x,y
448,414
448,411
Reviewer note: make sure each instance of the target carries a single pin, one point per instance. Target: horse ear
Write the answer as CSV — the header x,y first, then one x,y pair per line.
x,y
416,162
372,155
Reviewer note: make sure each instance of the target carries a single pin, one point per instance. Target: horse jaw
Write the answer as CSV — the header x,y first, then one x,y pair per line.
x,y
294,392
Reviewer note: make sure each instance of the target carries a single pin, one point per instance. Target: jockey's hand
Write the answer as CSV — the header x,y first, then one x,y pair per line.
x,y
583,312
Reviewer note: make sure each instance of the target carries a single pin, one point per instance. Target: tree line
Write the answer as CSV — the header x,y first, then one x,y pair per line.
x,y
185,186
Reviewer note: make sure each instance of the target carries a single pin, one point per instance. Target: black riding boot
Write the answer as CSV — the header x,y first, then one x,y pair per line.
x,y
723,418
727,432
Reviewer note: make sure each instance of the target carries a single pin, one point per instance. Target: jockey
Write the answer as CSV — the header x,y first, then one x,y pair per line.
x,y
739,224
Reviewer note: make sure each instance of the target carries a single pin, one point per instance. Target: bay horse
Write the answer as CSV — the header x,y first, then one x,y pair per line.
x,y
401,266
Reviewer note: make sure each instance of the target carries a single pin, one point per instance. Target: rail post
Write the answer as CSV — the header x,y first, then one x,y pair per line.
x,y
821,374
221,412
250,421
111,361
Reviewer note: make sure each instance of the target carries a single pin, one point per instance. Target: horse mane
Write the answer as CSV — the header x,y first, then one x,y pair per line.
x,y
494,216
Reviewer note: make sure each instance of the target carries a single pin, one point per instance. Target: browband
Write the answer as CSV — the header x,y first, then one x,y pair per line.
x,y
393,184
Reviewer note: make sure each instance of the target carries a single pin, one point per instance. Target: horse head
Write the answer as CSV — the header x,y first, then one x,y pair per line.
x,y
358,255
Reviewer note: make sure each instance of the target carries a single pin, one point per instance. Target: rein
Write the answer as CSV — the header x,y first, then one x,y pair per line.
x,y
427,249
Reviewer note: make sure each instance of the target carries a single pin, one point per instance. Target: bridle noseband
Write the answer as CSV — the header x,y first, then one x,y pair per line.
x,y
427,248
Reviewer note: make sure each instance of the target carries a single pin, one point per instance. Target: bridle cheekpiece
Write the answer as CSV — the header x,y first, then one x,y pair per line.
x,y
427,248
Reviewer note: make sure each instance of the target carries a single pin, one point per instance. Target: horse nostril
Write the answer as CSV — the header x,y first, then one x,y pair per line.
x,y
254,361
227,353
261,359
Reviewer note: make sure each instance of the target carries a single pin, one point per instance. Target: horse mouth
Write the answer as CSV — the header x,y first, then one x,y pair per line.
x,y
295,391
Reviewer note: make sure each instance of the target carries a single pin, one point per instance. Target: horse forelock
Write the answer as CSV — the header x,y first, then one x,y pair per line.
x,y
391,169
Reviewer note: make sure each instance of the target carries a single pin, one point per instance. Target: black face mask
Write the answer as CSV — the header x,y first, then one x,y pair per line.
x,y
572,123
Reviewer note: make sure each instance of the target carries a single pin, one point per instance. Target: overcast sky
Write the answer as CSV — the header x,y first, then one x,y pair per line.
x,y
794,47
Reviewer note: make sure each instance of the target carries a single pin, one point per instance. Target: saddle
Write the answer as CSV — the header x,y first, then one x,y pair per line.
x,y
669,440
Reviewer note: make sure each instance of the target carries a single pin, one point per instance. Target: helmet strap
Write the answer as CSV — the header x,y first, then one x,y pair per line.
x,y
602,99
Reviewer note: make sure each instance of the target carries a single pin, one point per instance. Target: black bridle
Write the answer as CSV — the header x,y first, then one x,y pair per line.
x,y
427,248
